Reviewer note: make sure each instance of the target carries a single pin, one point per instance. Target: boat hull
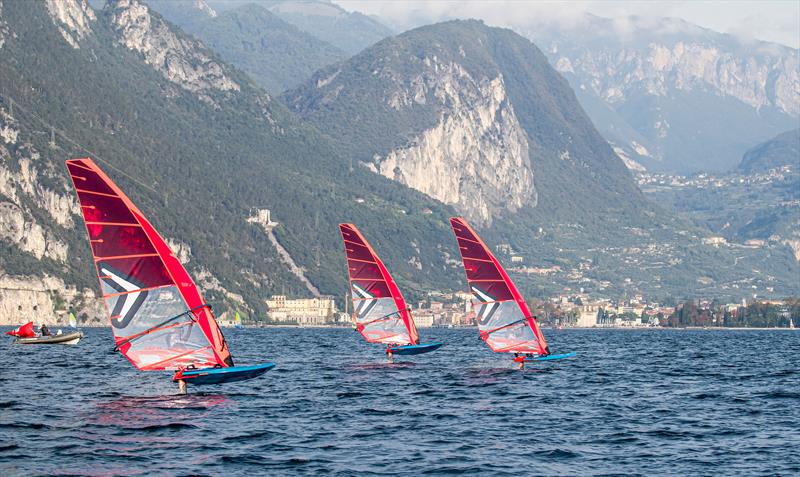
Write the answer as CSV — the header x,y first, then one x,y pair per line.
x,y
552,357
222,375
415,349
63,339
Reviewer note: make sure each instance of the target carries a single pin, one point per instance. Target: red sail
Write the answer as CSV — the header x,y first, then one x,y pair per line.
x,y
379,310
24,331
504,320
158,317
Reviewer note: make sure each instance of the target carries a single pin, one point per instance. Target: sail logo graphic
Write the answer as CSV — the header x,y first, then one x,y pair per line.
x,y
488,305
365,303
130,298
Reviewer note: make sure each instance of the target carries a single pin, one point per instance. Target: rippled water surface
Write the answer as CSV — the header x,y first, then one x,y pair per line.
x,y
632,402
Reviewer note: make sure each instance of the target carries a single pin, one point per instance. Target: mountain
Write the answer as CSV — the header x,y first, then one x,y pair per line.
x,y
196,144
348,31
472,116
208,156
782,150
476,118
672,96
276,54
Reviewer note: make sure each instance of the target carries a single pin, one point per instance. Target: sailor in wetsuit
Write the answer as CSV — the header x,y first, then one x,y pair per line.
x,y
44,331
519,359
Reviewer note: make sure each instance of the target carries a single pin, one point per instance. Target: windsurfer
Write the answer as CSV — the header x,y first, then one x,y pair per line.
x,y
389,353
520,360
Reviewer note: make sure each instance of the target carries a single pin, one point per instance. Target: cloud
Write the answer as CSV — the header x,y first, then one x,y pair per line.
x,y
767,20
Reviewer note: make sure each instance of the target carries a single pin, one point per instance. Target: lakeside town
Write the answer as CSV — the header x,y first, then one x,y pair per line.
x,y
450,310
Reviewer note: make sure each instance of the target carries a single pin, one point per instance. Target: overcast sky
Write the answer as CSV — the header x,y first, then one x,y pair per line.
x,y
770,20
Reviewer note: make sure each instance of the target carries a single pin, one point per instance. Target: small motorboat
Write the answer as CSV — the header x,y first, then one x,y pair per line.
x,y
70,338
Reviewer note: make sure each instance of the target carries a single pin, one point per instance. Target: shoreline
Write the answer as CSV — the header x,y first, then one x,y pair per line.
x,y
347,327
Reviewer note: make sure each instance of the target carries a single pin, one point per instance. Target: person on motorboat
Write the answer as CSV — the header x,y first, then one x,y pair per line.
x,y
44,330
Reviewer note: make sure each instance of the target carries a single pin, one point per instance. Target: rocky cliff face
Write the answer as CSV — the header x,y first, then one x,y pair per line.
x,y
73,19
694,99
3,27
180,60
36,218
22,174
476,157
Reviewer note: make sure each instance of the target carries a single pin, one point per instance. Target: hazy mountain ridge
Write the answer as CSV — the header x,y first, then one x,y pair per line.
x,y
348,31
782,150
697,99
276,54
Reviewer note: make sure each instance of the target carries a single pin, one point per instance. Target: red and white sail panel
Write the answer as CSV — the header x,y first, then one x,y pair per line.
x,y
158,317
379,310
504,320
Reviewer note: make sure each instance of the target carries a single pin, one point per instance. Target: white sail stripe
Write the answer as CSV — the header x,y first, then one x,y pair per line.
x,y
361,305
482,295
130,297
489,309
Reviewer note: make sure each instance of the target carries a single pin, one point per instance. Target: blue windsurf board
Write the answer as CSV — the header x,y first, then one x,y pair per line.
x,y
223,375
415,349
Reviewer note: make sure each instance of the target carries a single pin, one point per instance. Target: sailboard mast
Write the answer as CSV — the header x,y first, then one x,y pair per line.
x,y
504,321
159,319
379,310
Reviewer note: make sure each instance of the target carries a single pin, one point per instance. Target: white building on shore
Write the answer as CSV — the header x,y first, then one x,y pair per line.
x,y
588,316
302,311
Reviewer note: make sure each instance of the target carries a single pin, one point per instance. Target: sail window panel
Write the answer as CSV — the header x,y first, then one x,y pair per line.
x,y
170,344
358,252
518,338
143,272
85,179
480,270
102,208
374,288
141,310
492,316
118,240
371,310
364,271
391,331
156,358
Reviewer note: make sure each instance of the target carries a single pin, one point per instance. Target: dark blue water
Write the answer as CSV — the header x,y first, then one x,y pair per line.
x,y
633,402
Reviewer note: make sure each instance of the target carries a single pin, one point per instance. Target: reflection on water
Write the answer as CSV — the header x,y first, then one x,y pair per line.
x,y
142,412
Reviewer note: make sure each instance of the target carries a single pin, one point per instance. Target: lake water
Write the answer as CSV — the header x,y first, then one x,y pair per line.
x,y
632,402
